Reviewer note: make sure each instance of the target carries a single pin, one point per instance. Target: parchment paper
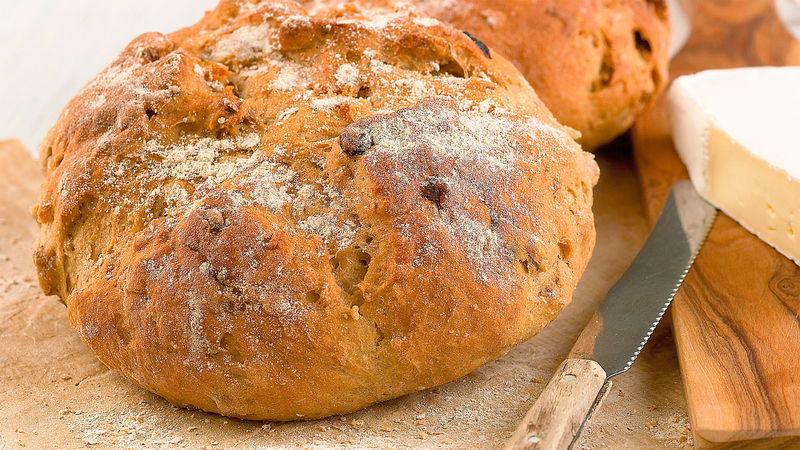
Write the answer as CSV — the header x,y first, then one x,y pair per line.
x,y
54,393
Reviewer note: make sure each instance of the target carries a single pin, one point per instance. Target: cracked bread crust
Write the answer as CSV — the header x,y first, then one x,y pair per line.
x,y
274,215
596,64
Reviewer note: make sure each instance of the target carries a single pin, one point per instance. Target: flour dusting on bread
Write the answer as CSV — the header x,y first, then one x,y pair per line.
x,y
473,160
274,214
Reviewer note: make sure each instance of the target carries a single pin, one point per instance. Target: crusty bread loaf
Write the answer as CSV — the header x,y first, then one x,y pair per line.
x,y
596,64
273,215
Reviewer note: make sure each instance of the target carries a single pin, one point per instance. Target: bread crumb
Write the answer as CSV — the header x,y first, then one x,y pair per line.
x,y
347,76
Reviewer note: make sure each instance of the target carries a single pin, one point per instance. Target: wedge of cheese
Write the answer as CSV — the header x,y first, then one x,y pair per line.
x,y
738,133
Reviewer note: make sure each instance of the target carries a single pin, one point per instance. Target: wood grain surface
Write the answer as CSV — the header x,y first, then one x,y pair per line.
x,y
736,317
56,394
559,412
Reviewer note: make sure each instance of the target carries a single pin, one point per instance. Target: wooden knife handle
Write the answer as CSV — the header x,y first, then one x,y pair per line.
x,y
559,412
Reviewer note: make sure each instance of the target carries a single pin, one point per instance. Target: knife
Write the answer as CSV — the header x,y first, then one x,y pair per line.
x,y
620,328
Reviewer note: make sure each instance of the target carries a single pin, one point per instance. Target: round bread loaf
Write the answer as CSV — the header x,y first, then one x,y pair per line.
x,y
596,64
273,215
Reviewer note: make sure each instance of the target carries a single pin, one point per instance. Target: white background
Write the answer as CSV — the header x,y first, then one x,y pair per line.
x,y
50,48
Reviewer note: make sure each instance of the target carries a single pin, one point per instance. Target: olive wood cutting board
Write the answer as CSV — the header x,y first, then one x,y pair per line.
x,y
736,318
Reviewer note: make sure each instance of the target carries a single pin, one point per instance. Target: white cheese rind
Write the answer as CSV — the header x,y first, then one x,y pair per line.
x,y
690,123
738,133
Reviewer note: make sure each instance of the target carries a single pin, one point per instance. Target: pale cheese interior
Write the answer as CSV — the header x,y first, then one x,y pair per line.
x,y
761,197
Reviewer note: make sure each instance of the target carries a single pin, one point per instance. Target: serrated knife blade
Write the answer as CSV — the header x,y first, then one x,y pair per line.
x,y
634,305
623,323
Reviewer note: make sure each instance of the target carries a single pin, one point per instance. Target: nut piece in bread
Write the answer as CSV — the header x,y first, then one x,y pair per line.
x,y
596,64
274,215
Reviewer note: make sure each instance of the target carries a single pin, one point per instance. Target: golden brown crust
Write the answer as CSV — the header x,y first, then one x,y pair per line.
x,y
272,215
596,64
